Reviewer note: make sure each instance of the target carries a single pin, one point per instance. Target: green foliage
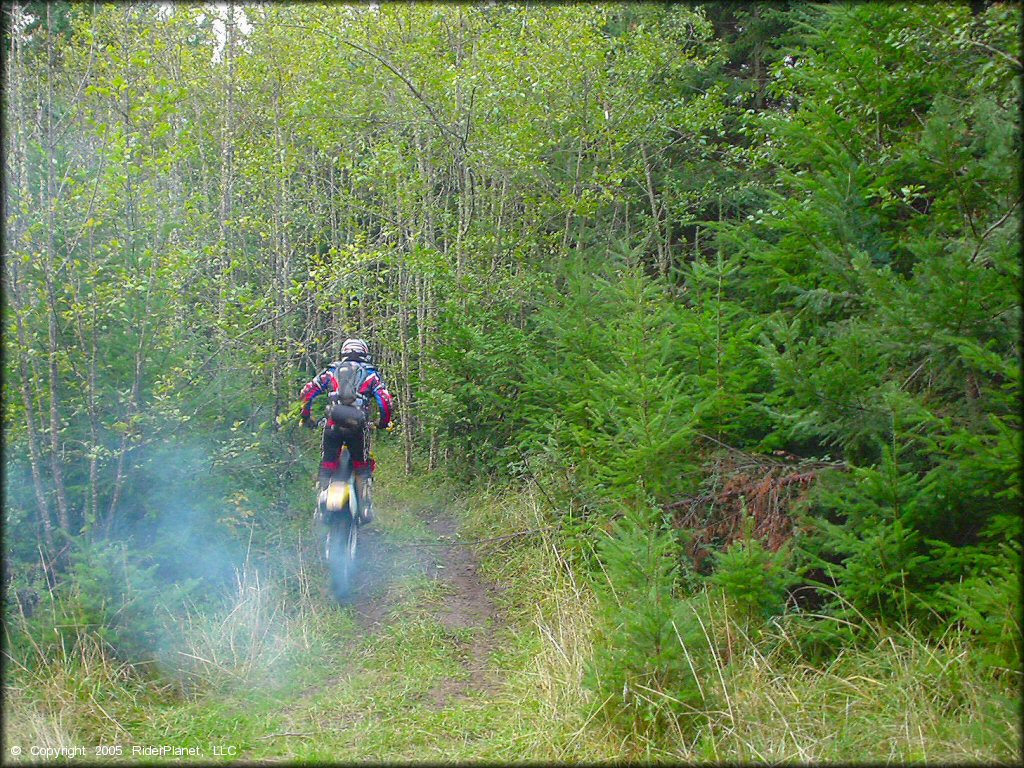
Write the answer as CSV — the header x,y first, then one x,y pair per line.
x,y
111,594
650,648
472,385
899,534
583,239
890,297
615,386
754,579
719,345
988,602
120,599
879,551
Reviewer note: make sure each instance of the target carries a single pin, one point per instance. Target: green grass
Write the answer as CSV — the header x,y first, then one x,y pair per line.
x,y
283,673
897,697
287,675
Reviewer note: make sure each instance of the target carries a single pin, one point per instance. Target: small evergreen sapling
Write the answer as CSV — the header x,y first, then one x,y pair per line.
x,y
754,579
650,649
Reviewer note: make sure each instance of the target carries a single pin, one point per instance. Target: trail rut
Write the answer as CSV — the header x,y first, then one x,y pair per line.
x,y
467,609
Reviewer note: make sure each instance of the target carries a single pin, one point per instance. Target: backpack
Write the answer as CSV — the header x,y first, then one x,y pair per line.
x,y
349,375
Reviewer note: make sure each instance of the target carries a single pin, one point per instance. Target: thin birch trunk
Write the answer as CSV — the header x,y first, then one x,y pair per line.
x,y
403,322
34,451
56,449
227,162
655,213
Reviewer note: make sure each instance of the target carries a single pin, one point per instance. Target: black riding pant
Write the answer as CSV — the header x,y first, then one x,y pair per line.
x,y
347,425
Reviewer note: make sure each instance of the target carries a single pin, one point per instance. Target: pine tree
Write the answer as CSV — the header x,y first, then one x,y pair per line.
x,y
650,647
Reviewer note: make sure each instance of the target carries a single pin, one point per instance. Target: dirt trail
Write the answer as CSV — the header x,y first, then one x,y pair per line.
x,y
468,602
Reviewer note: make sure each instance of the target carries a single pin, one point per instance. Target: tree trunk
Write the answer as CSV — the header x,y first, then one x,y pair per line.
x,y
34,452
655,213
227,162
56,449
403,323
278,277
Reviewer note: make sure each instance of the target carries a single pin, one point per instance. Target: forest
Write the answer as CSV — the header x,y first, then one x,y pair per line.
x,y
702,322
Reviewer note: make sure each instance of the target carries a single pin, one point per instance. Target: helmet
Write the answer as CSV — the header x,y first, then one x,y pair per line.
x,y
354,347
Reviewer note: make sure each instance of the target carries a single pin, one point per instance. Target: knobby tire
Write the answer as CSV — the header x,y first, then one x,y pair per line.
x,y
342,540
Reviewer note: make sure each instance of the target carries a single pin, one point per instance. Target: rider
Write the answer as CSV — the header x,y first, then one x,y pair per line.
x,y
349,383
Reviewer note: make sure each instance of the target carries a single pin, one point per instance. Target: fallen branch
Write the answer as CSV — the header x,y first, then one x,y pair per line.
x,y
759,460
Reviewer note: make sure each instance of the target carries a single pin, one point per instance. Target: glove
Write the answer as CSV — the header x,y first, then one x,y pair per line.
x,y
390,426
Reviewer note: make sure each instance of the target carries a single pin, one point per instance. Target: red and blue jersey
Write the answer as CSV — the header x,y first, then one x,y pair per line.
x,y
370,384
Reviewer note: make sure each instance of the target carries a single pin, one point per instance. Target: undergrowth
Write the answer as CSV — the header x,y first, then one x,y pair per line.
x,y
892,693
284,674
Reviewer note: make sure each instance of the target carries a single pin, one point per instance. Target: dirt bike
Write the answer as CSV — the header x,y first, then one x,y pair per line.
x,y
338,509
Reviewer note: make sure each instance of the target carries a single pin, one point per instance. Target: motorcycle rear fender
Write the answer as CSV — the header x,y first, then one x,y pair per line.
x,y
335,497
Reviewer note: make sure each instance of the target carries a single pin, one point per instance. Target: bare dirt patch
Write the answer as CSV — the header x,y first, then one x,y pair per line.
x,y
467,609
468,604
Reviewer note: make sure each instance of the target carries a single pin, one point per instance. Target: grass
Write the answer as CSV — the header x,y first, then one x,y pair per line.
x,y
282,674
895,698
548,611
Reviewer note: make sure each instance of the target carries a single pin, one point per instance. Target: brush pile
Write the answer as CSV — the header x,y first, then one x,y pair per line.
x,y
739,485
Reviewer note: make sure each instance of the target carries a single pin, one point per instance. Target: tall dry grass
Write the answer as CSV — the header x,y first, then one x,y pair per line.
x,y
73,687
63,689
26,725
551,612
276,611
897,696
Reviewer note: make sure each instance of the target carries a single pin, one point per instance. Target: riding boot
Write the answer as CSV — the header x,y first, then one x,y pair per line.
x,y
364,490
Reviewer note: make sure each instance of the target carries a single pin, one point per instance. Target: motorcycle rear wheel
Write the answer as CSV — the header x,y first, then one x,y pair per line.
x,y
342,542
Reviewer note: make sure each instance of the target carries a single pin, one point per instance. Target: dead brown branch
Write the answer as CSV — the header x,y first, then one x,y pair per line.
x,y
744,485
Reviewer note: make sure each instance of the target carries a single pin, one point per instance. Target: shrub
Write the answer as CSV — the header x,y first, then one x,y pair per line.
x,y
107,596
649,648
755,580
